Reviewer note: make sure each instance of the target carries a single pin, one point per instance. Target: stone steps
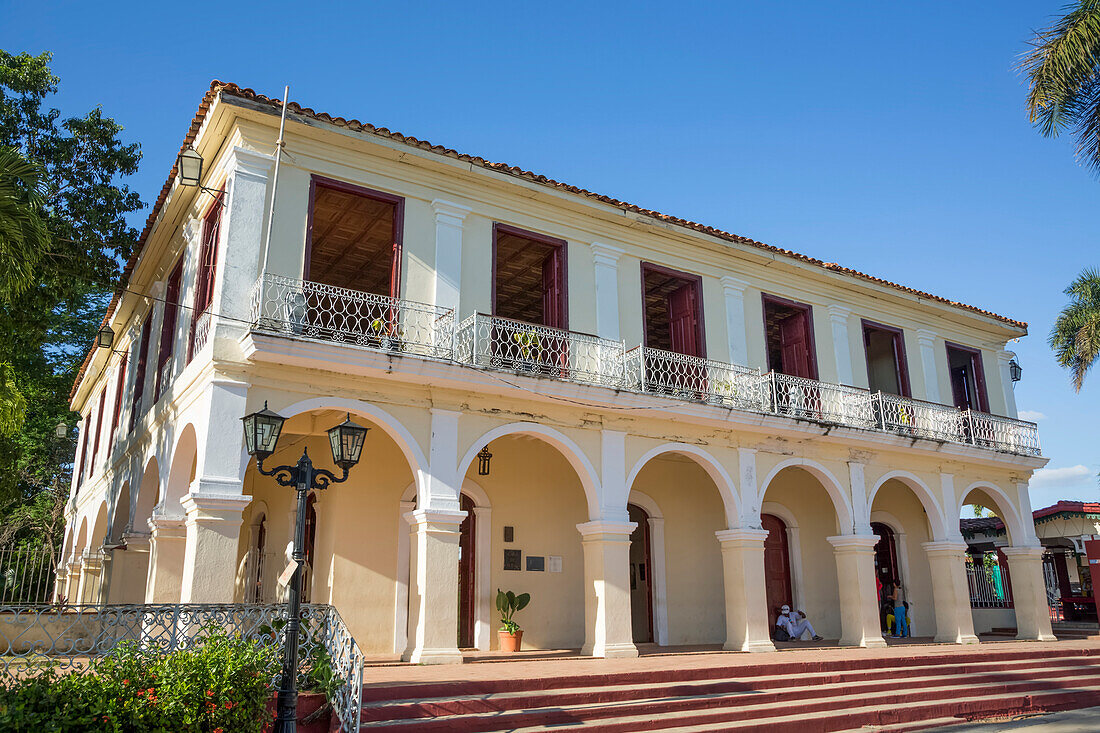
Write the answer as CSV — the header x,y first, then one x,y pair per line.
x,y
782,695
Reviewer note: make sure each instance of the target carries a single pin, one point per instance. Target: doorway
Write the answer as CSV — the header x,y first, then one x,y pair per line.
x,y
467,592
789,331
777,565
641,577
967,378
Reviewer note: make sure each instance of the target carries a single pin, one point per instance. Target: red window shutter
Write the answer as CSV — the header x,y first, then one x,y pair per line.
x,y
553,301
683,321
139,371
794,344
83,452
119,387
395,271
168,324
98,428
207,270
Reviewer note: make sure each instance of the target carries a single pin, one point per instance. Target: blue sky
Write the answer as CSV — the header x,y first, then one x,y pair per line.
x,y
884,136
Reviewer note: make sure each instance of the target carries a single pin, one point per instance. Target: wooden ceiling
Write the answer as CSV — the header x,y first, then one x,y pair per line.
x,y
658,286
519,277
352,241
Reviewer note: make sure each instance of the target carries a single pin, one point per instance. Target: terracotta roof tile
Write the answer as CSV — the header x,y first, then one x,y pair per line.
x,y
217,87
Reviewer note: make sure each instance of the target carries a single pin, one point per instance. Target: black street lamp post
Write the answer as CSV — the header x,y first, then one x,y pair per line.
x,y
261,433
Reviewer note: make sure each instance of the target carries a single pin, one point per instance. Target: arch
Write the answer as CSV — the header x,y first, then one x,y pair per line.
x,y
794,547
565,445
179,475
81,538
384,420
841,504
120,519
99,530
657,562
708,463
1006,510
148,496
927,499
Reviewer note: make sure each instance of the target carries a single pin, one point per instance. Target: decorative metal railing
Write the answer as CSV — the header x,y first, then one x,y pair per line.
x,y
657,371
525,348
27,574
202,332
989,584
324,312
809,399
70,636
328,313
167,374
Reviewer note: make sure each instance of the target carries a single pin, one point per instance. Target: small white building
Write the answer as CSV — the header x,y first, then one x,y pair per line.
x,y
688,428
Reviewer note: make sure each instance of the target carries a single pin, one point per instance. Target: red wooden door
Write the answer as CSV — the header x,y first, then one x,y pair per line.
x,y
553,312
777,565
794,344
886,554
683,322
466,591
960,388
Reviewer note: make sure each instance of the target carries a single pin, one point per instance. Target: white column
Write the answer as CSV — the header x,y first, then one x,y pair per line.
x,y
434,551
750,500
1003,359
855,569
861,513
608,630
838,317
950,592
606,259
747,624
213,526
734,290
1029,595
927,341
1023,501
242,233
166,552
659,580
953,530
483,584
401,601
447,286
613,488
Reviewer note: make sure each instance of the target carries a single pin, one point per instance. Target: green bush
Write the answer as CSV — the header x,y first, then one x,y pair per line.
x,y
219,686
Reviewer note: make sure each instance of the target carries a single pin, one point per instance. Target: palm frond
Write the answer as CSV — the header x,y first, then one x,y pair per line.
x,y
1075,335
23,234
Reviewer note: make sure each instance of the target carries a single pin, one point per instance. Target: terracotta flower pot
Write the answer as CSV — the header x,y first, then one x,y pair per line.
x,y
510,642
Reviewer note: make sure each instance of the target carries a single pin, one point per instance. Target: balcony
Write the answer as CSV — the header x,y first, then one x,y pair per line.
x,y
322,312
524,348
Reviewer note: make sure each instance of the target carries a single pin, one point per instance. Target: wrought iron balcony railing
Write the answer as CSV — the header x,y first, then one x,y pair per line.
x,y
328,313
525,348
656,371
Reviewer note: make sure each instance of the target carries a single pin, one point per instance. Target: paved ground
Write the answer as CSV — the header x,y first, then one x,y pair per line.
x,y
1071,721
495,665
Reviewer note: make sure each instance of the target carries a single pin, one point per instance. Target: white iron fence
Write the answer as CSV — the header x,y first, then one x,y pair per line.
x,y
325,312
657,371
69,636
989,583
516,346
27,575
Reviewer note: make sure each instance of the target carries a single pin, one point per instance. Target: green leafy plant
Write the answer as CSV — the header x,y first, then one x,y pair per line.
x,y
528,342
507,604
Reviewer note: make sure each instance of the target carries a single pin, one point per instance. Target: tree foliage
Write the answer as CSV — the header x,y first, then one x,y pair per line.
x,y
77,190
1063,69
1075,336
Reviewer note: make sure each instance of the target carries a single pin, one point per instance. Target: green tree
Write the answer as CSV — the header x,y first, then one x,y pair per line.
x,y
1075,336
1063,69
51,324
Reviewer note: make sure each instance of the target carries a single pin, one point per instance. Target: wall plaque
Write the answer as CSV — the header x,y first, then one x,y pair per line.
x,y
512,560
509,534
553,563
536,563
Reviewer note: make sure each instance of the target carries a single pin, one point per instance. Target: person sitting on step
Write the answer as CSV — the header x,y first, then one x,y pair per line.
x,y
795,624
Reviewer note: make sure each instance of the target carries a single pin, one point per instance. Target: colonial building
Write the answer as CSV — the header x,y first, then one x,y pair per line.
x,y
687,428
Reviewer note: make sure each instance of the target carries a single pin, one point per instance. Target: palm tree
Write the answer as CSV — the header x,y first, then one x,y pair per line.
x,y
1063,69
24,240
23,234
1075,336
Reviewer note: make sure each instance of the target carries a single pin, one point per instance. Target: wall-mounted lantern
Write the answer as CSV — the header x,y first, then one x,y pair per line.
x,y
1015,371
483,458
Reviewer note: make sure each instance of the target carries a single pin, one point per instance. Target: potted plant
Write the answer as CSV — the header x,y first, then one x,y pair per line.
x,y
511,635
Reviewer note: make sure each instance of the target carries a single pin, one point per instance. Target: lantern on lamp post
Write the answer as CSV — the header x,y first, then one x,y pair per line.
x,y
261,434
